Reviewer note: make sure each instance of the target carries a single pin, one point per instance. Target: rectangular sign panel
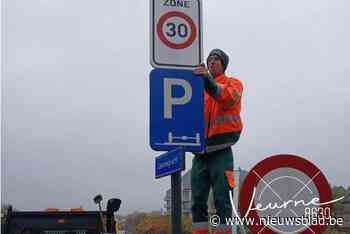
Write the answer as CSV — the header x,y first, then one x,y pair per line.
x,y
176,33
177,110
170,162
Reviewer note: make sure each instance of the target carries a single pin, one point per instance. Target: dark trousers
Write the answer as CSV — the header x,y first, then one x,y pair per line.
x,y
208,170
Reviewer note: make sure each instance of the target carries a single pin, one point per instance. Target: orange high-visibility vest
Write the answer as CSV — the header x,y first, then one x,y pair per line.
x,y
223,124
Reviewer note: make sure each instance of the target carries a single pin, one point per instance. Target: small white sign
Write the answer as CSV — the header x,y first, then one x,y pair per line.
x,y
176,33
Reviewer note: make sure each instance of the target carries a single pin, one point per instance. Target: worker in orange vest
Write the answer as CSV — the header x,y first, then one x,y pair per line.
x,y
223,126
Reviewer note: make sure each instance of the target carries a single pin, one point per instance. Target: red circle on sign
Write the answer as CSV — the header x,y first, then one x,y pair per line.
x,y
273,163
170,44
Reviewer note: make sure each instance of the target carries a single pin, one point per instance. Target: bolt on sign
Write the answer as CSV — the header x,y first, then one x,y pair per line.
x,y
176,33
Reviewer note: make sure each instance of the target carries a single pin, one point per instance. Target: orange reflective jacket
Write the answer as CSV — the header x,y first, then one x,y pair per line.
x,y
223,124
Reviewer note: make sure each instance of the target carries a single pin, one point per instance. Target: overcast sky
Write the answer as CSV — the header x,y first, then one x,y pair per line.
x,y
75,94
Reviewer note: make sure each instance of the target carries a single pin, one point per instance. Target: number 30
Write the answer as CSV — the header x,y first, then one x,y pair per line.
x,y
181,30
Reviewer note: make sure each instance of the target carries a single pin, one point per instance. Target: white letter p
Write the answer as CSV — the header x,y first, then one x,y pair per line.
x,y
169,100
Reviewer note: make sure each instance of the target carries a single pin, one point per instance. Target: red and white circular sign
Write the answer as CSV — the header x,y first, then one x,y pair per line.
x,y
284,189
176,30
176,34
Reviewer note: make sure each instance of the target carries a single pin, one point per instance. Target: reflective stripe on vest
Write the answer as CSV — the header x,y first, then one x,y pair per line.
x,y
200,226
226,118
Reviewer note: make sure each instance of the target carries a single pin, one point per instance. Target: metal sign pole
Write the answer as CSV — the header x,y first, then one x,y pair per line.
x,y
176,206
172,163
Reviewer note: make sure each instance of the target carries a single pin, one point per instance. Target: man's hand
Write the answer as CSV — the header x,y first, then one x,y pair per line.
x,y
210,85
201,70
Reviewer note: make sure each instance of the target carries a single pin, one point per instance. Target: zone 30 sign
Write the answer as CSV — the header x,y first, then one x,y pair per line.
x,y
176,35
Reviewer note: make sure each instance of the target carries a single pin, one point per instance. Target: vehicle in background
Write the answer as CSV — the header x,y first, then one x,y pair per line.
x,y
54,221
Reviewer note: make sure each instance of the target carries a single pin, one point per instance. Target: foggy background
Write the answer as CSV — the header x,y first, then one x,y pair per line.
x,y
75,94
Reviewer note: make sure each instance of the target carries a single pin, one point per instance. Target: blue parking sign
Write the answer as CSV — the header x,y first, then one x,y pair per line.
x,y
176,110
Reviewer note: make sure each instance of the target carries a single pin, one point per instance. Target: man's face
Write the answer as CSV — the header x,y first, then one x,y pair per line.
x,y
215,66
